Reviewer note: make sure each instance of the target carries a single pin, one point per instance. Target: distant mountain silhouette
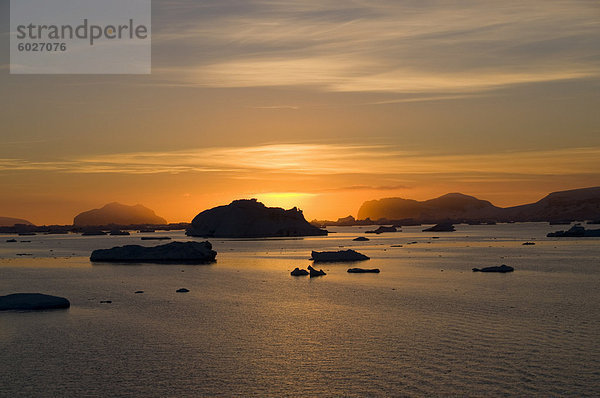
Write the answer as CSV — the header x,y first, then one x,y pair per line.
x,y
251,219
449,206
118,214
577,204
9,221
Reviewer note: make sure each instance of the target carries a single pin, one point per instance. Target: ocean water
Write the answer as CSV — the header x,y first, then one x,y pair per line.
x,y
425,326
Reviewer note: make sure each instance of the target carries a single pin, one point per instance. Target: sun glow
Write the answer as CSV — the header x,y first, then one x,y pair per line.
x,y
286,200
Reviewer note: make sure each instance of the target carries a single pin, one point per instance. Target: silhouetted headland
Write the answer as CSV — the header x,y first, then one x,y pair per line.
x,y
564,206
251,219
10,222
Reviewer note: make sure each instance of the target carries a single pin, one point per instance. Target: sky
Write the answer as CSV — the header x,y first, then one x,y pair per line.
x,y
320,105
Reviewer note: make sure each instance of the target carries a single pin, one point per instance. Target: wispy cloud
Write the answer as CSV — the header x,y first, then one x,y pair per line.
x,y
369,188
379,46
425,98
277,107
335,74
324,160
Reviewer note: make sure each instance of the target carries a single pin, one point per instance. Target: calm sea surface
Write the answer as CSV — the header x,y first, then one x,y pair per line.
x,y
425,326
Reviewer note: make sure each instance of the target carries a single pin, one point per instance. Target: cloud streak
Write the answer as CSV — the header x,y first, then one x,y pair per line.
x,y
339,75
325,160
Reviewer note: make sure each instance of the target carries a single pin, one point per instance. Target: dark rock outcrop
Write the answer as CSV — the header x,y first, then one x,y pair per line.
x,y
363,270
118,214
382,229
576,231
502,269
313,272
299,272
338,256
251,219
444,227
32,302
182,290
174,252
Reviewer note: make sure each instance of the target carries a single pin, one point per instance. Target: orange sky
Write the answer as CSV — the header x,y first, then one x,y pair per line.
x,y
322,106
